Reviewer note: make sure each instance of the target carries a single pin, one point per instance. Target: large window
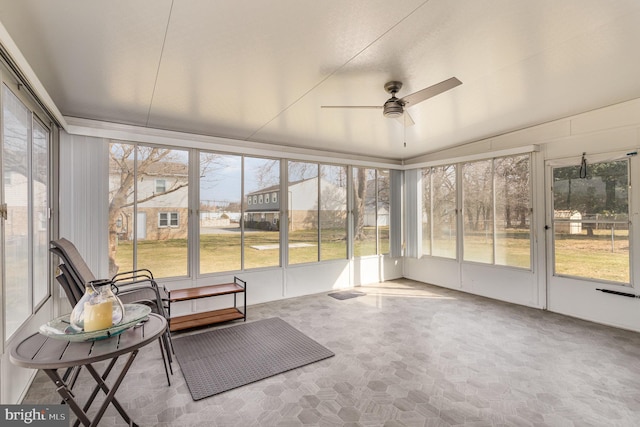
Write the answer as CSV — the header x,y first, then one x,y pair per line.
x,y
317,212
25,159
148,228
261,220
439,211
591,221
496,207
238,206
220,212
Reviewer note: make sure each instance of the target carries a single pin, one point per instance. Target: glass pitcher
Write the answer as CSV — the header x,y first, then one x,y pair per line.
x,y
99,308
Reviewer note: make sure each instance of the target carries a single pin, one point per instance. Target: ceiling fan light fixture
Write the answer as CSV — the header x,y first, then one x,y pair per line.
x,y
392,108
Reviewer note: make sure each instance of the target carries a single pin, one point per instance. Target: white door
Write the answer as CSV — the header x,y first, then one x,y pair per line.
x,y
589,234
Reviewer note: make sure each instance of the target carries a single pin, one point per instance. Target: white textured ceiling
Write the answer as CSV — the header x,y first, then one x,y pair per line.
x,y
260,70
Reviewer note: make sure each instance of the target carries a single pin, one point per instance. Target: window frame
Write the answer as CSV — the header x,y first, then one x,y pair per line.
x,y
157,181
169,219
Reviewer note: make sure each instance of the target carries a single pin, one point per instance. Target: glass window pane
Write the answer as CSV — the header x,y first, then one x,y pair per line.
x,y
364,212
16,122
220,212
426,211
121,203
383,210
513,211
591,228
303,212
40,174
477,187
333,212
163,250
261,222
444,211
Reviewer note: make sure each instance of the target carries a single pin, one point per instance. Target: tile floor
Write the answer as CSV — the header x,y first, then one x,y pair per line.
x,y
409,354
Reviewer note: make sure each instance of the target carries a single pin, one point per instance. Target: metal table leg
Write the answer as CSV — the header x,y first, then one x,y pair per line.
x,y
81,413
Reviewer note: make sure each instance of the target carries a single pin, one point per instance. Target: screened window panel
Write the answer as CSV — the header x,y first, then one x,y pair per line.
x,y
477,187
364,212
383,210
261,221
16,122
163,250
303,212
333,212
426,211
444,205
513,211
220,212
40,220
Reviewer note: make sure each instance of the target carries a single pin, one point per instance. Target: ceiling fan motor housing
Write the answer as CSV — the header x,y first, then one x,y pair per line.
x,y
392,108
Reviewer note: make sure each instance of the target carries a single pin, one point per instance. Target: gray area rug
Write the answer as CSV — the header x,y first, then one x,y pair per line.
x,y
346,294
216,361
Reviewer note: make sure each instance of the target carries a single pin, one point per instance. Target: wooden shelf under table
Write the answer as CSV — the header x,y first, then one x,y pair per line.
x,y
208,317
205,318
204,292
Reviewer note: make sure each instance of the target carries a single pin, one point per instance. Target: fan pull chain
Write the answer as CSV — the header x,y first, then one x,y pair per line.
x,y
404,129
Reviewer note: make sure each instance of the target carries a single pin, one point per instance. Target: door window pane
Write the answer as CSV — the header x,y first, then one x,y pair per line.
x,y
261,221
591,221
444,211
477,186
513,211
364,212
333,212
16,121
220,212
303,212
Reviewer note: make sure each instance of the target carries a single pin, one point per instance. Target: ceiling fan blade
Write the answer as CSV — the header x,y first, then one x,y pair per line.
x,y
430,91
405,120
352,106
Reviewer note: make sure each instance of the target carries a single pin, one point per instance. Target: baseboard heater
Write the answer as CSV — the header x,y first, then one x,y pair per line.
x,y
624,294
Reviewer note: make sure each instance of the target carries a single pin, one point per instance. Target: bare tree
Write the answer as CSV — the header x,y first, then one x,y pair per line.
x,y
130,163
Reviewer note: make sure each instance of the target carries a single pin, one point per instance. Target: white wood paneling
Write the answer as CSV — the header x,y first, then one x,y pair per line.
x,y
314,278
84,198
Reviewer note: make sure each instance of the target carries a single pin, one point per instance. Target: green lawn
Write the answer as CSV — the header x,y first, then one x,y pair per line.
x,y
576,255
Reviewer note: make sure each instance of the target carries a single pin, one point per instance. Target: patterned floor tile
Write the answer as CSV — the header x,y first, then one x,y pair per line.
x,y
448,359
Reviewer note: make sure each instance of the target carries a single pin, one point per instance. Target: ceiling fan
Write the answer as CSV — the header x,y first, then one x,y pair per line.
x,y
394,107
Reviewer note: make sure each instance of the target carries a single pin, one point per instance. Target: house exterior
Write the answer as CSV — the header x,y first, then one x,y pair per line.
x,y
262,207
162,211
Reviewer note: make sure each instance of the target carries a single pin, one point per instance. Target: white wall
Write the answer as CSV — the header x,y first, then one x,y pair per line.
x,y
613,129
84,200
